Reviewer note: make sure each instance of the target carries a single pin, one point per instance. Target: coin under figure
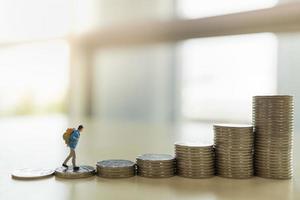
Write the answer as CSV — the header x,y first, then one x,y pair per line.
x,y
71,138
68,173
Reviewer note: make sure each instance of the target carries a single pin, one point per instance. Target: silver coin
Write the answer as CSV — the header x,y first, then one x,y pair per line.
x,y
274,173
156,163
196,173
234,167
115,163
196,176
69,173
110,174
283,177
236,176
230,141
147,175
202,171
271,166
195,159
233,126
195,156
185,152
117,170
156,157
195,162
156,167
277,169
211,171
234,162
208,167
194,153
273,155
156,171
193,145
116,176
235,172
32,173
198,170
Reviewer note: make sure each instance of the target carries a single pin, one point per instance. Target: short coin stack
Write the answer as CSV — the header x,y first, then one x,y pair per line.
x,y
234,150
83,172
194,160
116,168
273,120
156,165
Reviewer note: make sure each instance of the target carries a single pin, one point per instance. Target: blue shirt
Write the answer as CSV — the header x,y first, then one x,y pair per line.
x,y
74,139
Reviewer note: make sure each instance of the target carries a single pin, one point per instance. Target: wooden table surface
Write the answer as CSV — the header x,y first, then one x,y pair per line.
x,y
37,142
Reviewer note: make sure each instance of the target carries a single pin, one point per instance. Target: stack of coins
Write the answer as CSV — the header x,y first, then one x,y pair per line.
x,y
194,160
116,168
234,150
156,165
273,120
83,172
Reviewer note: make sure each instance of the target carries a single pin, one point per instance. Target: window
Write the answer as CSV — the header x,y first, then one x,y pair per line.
x,y
34,56
206,8
220,75
34,77
34,19
217,75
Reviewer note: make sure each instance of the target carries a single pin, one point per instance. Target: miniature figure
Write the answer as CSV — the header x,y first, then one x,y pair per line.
x,y
71,137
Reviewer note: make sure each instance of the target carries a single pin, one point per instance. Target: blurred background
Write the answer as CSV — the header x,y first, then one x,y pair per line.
x,y
131,71
46,72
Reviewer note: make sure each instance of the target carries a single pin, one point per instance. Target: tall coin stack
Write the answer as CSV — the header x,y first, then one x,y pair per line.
x,y
273,120
234,150
156,165
194,160
116,168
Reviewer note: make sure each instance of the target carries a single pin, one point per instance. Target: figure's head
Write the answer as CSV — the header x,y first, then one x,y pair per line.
x,y
80,128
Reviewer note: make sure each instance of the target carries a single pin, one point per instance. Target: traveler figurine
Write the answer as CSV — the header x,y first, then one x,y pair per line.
x,y
71,137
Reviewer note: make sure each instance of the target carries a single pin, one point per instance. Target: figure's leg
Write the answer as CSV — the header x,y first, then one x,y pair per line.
x,y
73,157
68,157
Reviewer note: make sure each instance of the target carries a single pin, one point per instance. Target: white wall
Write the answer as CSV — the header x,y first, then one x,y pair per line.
x,y
98,13
126,83
289,69
133,83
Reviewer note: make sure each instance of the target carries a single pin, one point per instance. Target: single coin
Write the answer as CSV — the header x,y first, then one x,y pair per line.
x,y
191,171
155,157
156,163
32,173
239,176
193,152
194,144
116,176
233,125
116,164
156,176
196,176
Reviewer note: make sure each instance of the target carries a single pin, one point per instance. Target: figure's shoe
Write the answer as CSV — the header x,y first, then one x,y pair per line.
x,y
64,165
75,168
